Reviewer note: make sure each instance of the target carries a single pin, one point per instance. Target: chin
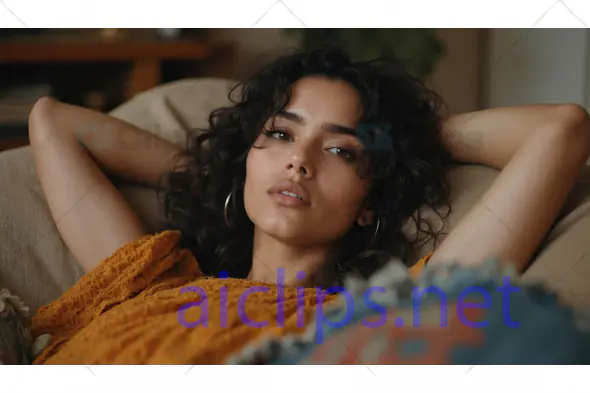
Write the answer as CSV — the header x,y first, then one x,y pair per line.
x,y
283,229
286,230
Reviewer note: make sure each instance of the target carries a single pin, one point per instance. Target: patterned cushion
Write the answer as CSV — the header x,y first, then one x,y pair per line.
x,y
449,315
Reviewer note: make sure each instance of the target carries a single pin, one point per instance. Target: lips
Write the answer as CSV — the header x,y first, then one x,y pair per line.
x,y
290,189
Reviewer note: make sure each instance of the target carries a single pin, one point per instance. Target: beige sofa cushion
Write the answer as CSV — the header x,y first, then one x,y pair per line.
x,y
563,261
35,264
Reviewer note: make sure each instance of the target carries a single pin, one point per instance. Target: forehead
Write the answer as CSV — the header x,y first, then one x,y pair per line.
x,y
325,100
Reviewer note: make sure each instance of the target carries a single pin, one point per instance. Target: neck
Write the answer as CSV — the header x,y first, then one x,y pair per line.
x,y
274,261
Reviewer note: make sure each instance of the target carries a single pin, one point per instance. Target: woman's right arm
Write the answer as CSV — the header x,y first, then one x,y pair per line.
x,y
74,150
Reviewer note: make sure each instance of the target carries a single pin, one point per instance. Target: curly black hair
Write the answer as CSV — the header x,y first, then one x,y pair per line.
x,y
407,175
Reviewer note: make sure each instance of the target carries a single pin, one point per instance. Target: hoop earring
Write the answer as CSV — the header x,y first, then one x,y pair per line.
x,y
227,200
376,231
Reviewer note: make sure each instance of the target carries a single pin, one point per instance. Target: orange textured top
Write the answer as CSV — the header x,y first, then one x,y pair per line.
x,y
140,305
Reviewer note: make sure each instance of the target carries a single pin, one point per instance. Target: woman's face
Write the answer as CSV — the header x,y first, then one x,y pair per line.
x,y
302,186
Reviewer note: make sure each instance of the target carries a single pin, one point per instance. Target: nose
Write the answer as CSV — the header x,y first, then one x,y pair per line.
x,y
300,162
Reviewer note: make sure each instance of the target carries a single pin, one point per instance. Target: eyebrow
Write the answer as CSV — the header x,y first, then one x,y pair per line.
x,y
331,127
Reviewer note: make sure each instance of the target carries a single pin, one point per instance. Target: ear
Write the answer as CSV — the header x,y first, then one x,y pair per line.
x,y
365,218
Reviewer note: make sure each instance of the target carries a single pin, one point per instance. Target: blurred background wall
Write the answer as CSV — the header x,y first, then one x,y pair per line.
x,y
101,68
537,65
481,67
457,75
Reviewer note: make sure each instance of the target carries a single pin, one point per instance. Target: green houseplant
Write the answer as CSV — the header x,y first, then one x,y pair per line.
x,y
417,49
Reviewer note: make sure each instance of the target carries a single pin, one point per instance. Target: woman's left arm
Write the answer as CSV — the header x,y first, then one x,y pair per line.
x,y
540,150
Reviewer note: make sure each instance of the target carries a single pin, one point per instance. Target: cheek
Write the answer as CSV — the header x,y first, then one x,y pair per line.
x,y
252,167
344,193
257,168
258,165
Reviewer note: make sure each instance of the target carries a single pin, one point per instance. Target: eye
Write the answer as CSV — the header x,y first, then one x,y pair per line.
x,y
346,154
278,134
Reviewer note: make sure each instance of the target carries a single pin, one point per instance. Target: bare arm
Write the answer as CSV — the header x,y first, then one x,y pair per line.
x,y
74,149
540,150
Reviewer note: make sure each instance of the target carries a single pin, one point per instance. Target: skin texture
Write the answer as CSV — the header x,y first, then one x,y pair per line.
x,y
306,149
540,150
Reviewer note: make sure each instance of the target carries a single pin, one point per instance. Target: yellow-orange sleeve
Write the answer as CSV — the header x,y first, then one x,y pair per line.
x,y
420,265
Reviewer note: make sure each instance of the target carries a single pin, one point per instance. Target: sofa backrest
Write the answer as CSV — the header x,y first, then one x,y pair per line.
x,y
36,265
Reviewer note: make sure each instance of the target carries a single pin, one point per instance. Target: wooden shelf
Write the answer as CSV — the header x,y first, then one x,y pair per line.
x,y
13,143
47,50
125,64
145,55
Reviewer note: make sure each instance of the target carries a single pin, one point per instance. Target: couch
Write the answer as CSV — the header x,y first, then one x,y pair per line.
x,y
36,265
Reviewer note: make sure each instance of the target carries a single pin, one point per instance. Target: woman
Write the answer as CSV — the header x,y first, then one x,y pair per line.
x,y
314,173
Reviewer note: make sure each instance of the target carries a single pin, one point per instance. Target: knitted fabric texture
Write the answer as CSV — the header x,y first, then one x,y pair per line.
x,y
149,303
